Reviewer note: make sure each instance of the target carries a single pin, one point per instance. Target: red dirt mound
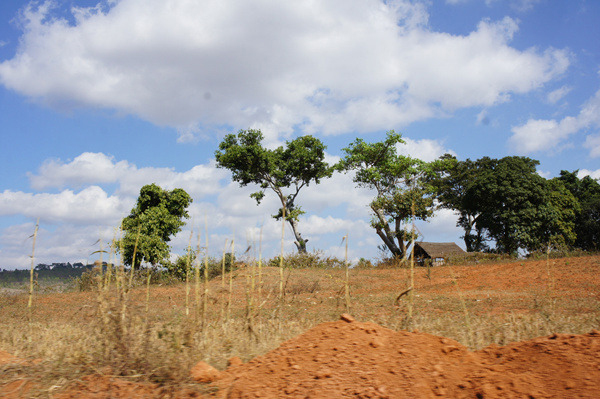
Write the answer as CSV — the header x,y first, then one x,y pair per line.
x,y
364,360
349,359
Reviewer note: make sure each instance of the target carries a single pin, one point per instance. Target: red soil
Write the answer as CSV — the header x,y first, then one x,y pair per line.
x,y
350,359
364,360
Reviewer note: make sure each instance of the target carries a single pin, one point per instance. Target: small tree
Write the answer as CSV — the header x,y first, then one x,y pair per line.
x,y
156,217
401,184
293,167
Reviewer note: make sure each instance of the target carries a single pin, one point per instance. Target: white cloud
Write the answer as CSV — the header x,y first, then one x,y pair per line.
x,y
545,174
90,205
424,149
332,66
98,168
524,5
594,174
558,94
86,168
317,225
544,135
593,143
67,243
442,228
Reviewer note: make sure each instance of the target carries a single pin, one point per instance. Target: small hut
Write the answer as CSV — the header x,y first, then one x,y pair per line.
x,y
438,252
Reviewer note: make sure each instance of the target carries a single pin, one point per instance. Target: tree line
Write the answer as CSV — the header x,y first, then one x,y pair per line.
x,y
504,205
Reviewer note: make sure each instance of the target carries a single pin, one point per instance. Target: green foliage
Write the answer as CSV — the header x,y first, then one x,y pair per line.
x,y
156,217
506,201
364,264
88,281
291,167
587,220
179,268
455,183
183,265
402,185
308,260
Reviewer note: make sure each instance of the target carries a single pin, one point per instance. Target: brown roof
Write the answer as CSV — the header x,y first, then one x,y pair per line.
x,y
439,249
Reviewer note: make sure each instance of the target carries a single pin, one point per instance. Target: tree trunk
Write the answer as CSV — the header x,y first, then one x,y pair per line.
x,y
300,242
385,233
389,243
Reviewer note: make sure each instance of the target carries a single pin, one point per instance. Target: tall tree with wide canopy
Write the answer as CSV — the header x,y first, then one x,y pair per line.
x,y
400,183
587,222
455,183
506,201
157,216
292,167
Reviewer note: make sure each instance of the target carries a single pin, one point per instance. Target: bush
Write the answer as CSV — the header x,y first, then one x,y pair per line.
x,y
364,264
314,260
88,281
178,269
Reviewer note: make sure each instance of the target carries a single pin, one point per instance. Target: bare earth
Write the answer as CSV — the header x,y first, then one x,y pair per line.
x,y
349,358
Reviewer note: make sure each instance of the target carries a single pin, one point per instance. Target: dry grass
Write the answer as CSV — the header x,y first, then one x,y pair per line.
x,y
110,331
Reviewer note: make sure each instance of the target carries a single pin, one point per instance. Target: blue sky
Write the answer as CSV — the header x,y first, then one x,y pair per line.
x,y
98,98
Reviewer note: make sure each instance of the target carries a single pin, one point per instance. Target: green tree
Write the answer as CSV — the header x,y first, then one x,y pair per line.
x,y
587,223
292,167
156,217
557,217
401,185
455,182
507,202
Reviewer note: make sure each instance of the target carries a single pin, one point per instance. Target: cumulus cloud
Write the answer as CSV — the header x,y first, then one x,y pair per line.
x,y
441,227
66,243
317,225
84,169
424,149
594,174
550,134
332,66
98,168
90,205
